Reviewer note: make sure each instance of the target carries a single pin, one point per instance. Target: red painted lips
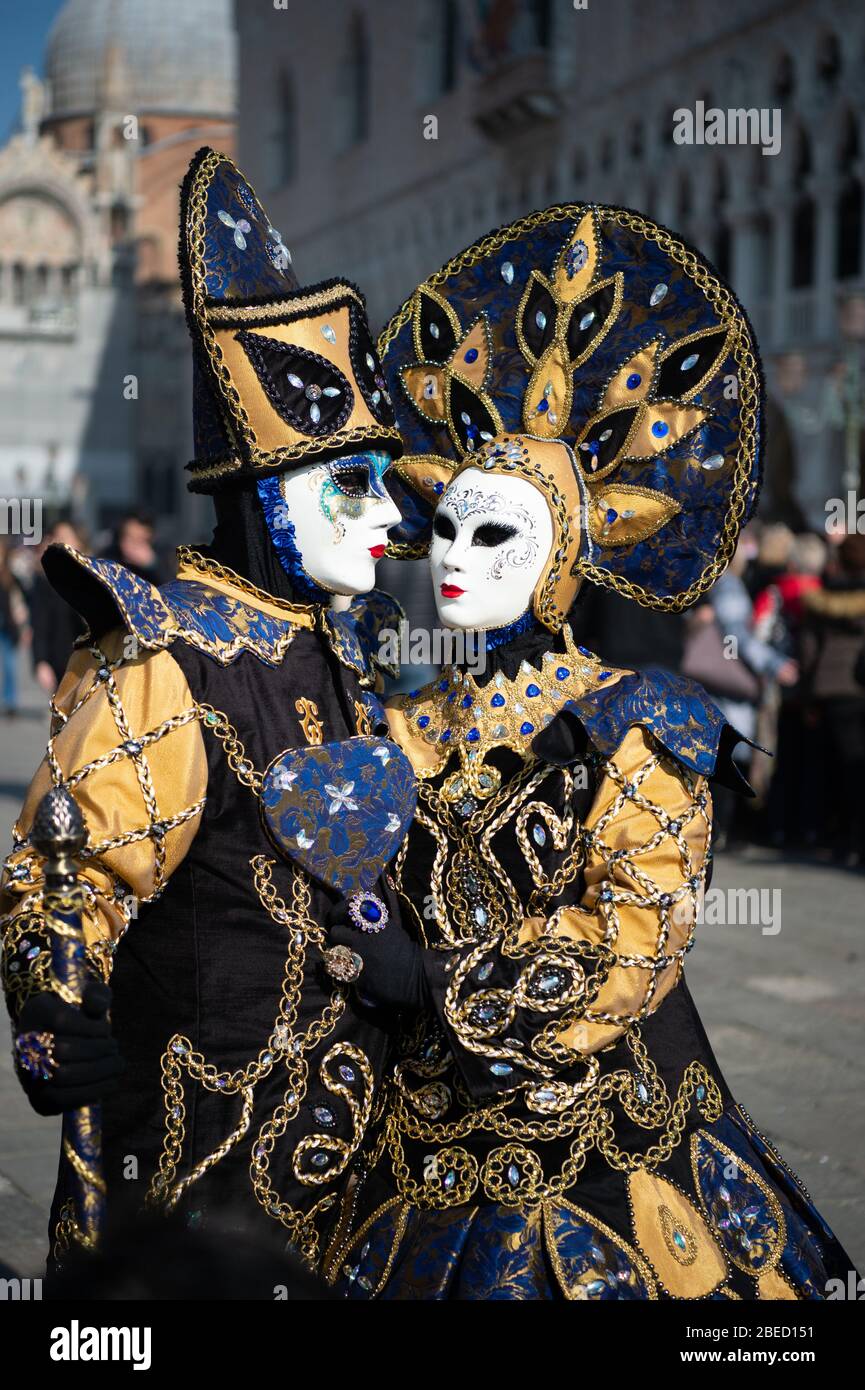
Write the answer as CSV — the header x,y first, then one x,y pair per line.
x,y
451,591
376,551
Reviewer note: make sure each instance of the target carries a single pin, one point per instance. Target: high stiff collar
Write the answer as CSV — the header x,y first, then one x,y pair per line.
x,y
467,716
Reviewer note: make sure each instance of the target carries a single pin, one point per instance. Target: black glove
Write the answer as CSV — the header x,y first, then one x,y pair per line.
x,y
87,1061
393,973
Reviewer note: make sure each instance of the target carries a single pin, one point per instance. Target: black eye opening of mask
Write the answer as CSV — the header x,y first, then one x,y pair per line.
x,y
352,479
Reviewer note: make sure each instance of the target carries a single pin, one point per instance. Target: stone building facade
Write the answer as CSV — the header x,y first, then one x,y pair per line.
x,y
385,137
95,383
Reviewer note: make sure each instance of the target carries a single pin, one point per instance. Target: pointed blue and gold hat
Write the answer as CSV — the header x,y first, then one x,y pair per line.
x,y
592,351
284,375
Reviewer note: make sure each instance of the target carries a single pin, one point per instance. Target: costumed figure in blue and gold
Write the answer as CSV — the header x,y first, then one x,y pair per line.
x,y
178,728
580,399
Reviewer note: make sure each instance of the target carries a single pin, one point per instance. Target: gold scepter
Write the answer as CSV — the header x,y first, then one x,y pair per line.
x,y
59,834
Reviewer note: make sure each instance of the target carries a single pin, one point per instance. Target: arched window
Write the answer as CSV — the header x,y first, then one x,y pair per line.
x,y
722,240
353,86
784,82
828,62
848,143
848,204
19,285
803,226
280,149
848,230
438,39
802,259
683,203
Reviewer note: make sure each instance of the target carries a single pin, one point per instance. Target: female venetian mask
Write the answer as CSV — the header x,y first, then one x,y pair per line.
x,y
491,541
329,522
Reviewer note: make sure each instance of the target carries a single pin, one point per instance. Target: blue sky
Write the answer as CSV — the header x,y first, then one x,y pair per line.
x,y
24,26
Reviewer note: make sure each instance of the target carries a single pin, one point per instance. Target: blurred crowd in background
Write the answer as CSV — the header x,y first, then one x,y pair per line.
x,y
779,642
33,617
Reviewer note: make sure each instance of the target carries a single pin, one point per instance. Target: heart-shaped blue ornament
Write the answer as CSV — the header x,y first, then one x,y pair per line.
x,y
341,809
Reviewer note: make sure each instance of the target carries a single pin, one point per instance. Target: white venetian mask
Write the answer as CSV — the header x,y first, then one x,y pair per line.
x,y
341,513
492,536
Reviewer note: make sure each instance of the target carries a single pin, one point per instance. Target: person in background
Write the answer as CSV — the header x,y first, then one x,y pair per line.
x,y
54,622
795,795
771,559
13,629
727,657
133,546
832,639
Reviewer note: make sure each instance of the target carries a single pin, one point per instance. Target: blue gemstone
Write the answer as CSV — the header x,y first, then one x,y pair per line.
x,y
443,685
501,1069
562,673
497,701
594,446
471,355
467,702
423,721
584,651
438,488
660,428
472,736
611,515
633,381
543,404
533,690
413,694
445,736
452,697
370,911
527,728
604,675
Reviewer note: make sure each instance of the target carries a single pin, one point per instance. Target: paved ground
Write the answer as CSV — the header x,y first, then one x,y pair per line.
x,y
785,1010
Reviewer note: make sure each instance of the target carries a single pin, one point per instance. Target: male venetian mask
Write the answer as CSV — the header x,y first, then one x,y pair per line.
x,y
329,522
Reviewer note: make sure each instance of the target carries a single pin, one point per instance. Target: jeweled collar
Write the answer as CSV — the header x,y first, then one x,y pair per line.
x,y
455,715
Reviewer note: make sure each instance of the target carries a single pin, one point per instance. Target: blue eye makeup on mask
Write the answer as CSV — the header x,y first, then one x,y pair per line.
x,y
360,476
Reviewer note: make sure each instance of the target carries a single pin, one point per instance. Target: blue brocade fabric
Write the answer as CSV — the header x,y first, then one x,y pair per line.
x,y
340,809
224,626
677,711
257,268
757,1212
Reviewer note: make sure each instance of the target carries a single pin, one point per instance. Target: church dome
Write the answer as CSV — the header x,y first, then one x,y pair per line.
x,y
163,56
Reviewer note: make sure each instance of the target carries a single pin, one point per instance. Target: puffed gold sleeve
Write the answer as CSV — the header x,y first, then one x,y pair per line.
x,y
574,982
646,837
127,742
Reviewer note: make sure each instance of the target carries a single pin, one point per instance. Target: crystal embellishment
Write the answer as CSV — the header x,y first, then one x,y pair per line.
x,y
658,293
